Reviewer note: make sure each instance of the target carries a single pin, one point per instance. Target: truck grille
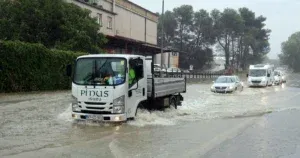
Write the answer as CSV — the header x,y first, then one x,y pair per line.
x,y
95,112
96,108
256,81
94,103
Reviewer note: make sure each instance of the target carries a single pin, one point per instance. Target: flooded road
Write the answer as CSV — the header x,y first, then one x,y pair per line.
x,y
207,125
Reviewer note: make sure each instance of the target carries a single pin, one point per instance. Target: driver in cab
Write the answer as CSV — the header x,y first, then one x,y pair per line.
x,y
131,73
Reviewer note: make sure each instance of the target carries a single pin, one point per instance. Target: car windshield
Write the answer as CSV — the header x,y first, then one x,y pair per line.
x,y
225,80
100,71
257,73
276,73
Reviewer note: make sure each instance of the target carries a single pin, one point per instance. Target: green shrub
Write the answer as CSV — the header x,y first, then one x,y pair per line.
x,y
33,67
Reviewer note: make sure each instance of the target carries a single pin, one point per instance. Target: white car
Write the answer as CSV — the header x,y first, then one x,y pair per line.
x,y
186,71
277,77
227,84
158,68
283,77
173,70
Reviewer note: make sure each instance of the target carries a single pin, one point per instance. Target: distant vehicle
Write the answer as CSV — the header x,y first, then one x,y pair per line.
x,y
278,77
158,68
174,70
261,75
283,76
186,71
227,84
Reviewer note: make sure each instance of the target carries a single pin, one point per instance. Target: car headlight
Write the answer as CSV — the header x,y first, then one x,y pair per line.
x,y
263,79
212,87
119,105
230,87
75,106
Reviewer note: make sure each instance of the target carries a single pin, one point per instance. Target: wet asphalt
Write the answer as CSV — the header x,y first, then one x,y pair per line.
x,y
257,122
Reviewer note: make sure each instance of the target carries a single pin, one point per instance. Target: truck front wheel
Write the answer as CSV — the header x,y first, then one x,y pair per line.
x,y
140,106
173,102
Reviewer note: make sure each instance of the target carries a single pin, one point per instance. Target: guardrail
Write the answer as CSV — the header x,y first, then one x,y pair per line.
x,y
190,75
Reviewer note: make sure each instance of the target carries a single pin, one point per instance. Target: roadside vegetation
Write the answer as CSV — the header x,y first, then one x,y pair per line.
x,y
290,55
39,38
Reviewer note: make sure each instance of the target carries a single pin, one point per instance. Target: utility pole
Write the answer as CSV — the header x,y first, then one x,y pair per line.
x,y
162,36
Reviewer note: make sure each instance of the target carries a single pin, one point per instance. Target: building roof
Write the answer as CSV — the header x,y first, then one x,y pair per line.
x,y
141,7
108,56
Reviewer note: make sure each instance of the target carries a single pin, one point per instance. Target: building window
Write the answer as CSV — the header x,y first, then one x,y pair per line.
x,y
99,19
109,24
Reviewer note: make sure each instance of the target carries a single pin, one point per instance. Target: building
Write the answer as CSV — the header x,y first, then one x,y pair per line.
x,y
170,58
130,28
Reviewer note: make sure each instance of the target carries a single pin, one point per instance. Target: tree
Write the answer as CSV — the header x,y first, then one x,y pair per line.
x,y
203,29
227,26
170,26
291,52
184,17
54,23
239,34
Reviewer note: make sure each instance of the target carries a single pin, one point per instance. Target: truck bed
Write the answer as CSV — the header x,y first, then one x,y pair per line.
x,y
166,86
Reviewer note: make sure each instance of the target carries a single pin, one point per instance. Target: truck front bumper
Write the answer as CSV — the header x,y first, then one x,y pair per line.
x,y
261,84
100,117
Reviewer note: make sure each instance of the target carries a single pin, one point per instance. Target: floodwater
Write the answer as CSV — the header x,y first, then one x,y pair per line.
x,y
40,124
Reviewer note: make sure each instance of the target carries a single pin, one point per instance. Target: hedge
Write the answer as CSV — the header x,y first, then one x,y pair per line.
x,y
33,67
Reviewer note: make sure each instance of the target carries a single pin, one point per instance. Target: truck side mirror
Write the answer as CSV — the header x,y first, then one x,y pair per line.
x,y
268,75
1,68
247,75
69,70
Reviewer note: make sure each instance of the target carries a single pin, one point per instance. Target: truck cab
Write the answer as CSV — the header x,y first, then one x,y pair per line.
x,y
101,88
110,87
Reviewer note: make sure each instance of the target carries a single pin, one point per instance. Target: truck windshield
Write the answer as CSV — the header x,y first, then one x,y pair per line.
x,y
257,73
100,71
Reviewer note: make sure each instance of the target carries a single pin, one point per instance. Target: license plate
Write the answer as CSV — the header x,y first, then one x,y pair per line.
x,y
94,117
220,90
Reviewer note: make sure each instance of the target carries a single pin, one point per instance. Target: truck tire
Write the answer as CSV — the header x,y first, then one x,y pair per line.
x,y
173,102
140,106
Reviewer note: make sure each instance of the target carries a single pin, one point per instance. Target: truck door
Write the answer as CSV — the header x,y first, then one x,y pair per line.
x,y
137,85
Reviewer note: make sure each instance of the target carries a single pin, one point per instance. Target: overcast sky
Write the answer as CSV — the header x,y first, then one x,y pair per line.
x,y
283,16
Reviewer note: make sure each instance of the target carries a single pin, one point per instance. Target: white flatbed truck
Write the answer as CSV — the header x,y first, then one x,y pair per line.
x,y
101,88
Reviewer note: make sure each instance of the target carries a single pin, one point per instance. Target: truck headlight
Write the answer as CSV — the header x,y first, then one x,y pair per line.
x,y
119,105
75,106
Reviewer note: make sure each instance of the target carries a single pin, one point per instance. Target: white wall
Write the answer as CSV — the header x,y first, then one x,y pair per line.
x,y
151,32
126,23
94,13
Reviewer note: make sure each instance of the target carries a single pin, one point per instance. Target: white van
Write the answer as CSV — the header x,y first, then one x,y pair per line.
x,y
260,75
